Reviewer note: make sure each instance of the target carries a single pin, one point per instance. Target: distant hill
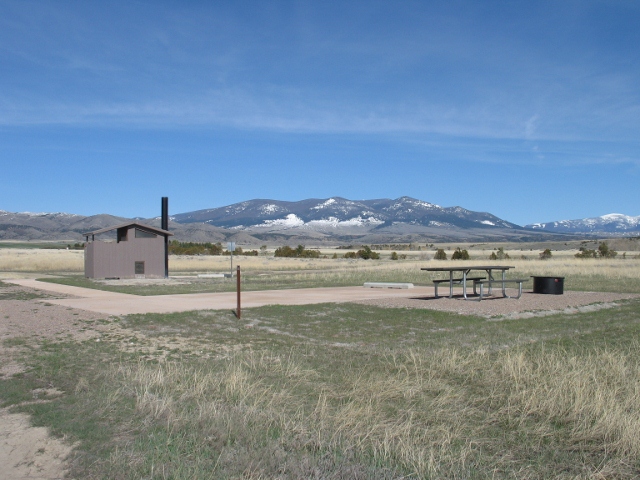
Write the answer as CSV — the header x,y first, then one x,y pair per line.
x,y
70,227
51,226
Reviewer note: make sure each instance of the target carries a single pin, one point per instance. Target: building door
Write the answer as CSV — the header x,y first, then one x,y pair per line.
x,y
139,269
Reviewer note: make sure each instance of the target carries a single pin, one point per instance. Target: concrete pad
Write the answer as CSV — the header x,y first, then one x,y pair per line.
x,y
112,303
388,285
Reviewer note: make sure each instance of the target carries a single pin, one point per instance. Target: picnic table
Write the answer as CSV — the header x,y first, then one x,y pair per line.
x,y
490,280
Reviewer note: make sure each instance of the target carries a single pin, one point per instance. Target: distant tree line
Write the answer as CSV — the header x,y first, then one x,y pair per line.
x,y
603,252
239,251
458,254
364,253
398,246
299,252
193,248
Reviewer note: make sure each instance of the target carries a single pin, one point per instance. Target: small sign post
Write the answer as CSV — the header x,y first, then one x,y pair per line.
x,y
231,246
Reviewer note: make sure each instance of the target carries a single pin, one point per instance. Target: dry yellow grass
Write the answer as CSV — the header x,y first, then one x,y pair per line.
x,y
411,410
41,260
562,264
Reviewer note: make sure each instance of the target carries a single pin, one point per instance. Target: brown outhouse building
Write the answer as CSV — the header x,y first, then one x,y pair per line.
x,y
135,251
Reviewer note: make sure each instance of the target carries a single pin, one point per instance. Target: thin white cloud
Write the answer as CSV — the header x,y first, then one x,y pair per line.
x,y
531,126
286,112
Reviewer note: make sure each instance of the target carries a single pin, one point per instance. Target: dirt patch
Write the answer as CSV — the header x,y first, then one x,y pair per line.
x,y
28,452
23,321
41,319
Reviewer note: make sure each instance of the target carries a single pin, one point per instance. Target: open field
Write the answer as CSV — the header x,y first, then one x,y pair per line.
x,y
333,390
266,272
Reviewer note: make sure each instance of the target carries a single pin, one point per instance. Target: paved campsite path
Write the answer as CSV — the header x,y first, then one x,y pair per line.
x,y
112,303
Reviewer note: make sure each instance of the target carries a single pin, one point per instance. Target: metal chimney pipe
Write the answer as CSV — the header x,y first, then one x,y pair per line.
x,y
165,213
165,226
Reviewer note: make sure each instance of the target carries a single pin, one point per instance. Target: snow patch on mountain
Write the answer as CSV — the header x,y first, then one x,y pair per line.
x,y
270,208
328,203
290,221
404,203
334,222
293,221
237,208
48,214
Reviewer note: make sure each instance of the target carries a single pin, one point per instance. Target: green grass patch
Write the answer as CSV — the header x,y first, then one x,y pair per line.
x,y
15,342
250,282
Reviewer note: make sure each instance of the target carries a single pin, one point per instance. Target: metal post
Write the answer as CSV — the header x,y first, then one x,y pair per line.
x,y
238,308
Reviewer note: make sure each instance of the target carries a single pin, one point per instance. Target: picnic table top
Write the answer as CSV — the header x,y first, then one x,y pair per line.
x,y
462,268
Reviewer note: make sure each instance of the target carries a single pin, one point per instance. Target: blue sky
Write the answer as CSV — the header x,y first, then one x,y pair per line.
x,y
528,110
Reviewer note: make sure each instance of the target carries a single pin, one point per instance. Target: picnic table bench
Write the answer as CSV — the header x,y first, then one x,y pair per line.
x,y
489,280
457,281
503,282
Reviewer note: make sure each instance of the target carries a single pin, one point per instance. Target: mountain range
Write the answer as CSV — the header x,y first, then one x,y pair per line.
x,y
614,223
322,221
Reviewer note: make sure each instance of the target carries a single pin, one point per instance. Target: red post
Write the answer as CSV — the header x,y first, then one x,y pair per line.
x,y
238,311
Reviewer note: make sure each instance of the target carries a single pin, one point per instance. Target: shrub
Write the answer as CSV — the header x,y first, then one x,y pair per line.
x,y
586,253
605,252
367,254
394,256
440,254
545,255
499,255
285,251
460,255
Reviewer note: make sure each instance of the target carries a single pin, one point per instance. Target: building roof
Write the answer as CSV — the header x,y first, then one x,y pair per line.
x,y
142,226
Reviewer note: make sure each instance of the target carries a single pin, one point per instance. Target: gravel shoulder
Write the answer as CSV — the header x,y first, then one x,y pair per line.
x,y
529,305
